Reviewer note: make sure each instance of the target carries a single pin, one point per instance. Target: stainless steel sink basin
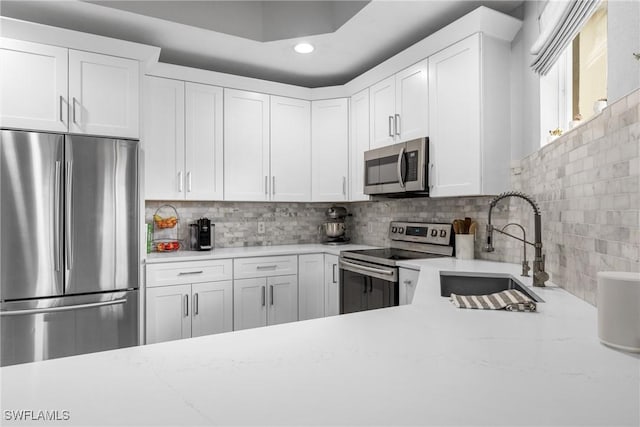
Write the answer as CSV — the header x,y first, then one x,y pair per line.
x,y
474,284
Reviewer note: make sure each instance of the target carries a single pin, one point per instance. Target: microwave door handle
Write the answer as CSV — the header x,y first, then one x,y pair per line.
x,y
399,170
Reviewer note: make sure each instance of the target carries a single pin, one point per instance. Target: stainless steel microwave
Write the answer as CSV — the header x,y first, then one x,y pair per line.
x,y
398,169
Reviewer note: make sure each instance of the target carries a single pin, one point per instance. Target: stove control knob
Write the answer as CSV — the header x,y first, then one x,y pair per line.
x,y
401,230
443,233
394,229
434,232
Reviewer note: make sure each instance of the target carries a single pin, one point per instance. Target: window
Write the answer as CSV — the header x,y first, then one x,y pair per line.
x,y
577,80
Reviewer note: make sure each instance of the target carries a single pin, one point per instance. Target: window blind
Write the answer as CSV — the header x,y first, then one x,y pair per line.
x,y
560,22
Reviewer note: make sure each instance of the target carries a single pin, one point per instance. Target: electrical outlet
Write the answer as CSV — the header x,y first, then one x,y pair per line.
x,y
370,228
261,228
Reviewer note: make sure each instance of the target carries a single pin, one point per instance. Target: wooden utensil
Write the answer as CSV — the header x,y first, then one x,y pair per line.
x,y
456,229
467,224
473,227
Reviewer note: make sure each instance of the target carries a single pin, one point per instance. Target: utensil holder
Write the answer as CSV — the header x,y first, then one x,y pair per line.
x,y
465,246
619,310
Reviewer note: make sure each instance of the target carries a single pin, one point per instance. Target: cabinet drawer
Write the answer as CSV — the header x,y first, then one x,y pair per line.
x,y
265,266
173,273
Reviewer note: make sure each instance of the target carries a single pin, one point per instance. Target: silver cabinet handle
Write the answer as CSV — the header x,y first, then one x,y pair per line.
x,y
399,167
61,102
180,182
74,109
264,296
391,126
266,185
195,304
273,185
431,165
266,267
65,308
186,305
68,244
407,282
344,186
56,214
397,124
189,182
334,273
271,294
185,273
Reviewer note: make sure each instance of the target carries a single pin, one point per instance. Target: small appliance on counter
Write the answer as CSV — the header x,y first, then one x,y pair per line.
x,y
334,229
201,235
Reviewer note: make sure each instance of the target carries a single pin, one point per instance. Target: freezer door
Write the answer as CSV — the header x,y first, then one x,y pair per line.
x,y
56,327
31,169
101,218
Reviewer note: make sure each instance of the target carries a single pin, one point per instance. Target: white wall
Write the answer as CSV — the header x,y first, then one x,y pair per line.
x,y
623,39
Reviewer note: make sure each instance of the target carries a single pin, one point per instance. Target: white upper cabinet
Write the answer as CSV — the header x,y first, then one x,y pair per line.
x,y
358,144
329,149
163,137
469,118
383,109
246,146
33,84
50,88
103,93
290,149
412,102
204,142
399,106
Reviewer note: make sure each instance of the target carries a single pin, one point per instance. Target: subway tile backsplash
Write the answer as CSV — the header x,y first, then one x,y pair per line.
x,y
587,184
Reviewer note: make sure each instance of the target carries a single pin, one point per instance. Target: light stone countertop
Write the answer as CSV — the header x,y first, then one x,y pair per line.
x,y
250,251
427,363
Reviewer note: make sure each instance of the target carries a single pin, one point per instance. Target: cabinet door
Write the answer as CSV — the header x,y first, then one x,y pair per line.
x,y
412,102
329,149
212,308
163,138
246,146
33,83
290,149
168,313
310,286
249,303
204,144
358,144
383,109
283,299
331,285
103,93
454,118
408,281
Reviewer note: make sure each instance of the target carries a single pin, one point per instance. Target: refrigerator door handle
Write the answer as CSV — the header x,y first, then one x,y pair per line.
x,y
65,308
68,248
56,215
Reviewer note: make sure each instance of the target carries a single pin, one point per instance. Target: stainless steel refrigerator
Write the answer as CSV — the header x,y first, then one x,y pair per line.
x,y
68,245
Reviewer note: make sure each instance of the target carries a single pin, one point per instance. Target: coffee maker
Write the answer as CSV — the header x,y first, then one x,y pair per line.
x,y
334,228
202,235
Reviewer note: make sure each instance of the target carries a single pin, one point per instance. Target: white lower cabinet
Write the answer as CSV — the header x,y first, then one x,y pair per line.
x,y
188,299
311,286
408,281
262,301
331,285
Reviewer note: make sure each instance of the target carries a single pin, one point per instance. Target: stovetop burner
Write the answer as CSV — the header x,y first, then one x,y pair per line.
x,y
387,256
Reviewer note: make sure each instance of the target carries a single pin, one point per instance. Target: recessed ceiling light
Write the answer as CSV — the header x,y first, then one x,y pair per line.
x,y
303,48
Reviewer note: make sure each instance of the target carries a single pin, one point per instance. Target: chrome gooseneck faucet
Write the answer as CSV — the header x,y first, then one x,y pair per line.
x,y
539,275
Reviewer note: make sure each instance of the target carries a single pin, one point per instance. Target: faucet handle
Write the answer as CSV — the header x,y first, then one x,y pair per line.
x,y
525,268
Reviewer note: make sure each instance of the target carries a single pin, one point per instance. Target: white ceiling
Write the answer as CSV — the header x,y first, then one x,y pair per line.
x,y
227,36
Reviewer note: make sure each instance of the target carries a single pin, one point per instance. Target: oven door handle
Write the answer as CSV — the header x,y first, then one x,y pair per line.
x,y
365,268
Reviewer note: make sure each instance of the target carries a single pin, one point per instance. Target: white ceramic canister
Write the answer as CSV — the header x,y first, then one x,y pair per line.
x,y
464,246
619,310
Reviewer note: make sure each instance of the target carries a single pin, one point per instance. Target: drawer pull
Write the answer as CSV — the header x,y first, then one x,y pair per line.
x,y
186,273
266,267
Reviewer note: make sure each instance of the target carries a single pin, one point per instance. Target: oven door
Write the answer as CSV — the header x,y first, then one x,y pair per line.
x,y
365,286
397,168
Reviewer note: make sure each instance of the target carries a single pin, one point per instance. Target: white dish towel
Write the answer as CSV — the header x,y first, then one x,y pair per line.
x,y
510,300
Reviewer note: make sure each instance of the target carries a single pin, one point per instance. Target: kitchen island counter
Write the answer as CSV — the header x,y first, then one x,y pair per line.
x,y
427,363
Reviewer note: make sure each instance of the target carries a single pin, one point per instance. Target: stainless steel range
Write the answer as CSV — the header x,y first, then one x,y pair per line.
x,y
369,277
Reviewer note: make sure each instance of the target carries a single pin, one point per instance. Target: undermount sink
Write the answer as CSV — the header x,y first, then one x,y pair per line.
x,y
474,284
